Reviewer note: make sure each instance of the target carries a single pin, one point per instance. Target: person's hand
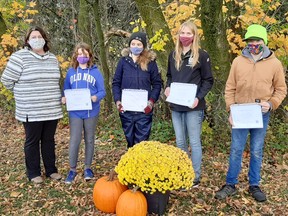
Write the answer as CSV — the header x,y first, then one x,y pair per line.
x,y
167,91
265,106
195,103
119,107
149,106
63,100
230,119
94,98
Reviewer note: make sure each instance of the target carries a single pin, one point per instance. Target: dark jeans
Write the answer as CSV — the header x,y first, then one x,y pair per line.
x,y
136,126
40,137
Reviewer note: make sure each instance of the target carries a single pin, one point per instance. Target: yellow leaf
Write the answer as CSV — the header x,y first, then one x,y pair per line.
x,y
256,2
143,24
136,29
28,20
15,194
32,4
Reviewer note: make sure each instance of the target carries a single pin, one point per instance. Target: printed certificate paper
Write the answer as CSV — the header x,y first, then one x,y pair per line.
x,y
182,94
246,116
134,100
78,99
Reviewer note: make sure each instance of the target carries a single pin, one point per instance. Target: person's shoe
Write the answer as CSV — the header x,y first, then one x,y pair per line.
x,y
55,176
37,180
196,183
257,194
71,176
88,174
225,191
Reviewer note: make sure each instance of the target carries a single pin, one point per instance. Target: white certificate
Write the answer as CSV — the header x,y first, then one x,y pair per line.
x,y
246,115
78,99
182,94
134,100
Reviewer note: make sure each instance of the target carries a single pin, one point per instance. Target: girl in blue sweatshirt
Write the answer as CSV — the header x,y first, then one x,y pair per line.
x,y
83,74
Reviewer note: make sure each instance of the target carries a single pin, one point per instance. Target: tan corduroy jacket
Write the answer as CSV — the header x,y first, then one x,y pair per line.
x,y
249,80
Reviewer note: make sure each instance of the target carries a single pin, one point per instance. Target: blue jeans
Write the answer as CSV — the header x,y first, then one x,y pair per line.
x,y
239,138
189,123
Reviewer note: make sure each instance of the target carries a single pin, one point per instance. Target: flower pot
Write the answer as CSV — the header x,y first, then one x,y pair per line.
x,y
157,202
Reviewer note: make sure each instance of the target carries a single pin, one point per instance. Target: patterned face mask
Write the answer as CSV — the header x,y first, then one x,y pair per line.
x,y
37,43
255,49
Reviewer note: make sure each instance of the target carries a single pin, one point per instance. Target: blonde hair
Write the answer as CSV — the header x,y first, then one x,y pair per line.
x,y
194,46
82,46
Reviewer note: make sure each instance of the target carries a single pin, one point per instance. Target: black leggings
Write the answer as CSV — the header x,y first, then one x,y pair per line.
x,y
40,137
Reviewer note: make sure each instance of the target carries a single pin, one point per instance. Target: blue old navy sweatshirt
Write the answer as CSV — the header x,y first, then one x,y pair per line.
x,y
86,78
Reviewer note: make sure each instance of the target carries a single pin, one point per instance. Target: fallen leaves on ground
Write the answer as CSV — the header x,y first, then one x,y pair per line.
x,y
21,197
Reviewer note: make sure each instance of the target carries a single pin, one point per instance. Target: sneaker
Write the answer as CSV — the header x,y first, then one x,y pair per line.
x,y
196,184
37,180
257,194
225,191
88,174
55,176
71,176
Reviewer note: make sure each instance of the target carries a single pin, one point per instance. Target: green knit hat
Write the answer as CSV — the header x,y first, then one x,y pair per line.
x,y
256,31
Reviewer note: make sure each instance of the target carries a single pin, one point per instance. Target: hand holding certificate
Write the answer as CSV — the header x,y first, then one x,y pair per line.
x,y
182,94
78,99
134,99
246,115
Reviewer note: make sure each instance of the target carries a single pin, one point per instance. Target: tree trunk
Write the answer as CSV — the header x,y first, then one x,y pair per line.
x,y
83,23
216,44
102,54
3,26
152,15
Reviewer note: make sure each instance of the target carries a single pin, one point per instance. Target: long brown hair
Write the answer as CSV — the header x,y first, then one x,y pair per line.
x,y
144,59
194,46
82,46
44,35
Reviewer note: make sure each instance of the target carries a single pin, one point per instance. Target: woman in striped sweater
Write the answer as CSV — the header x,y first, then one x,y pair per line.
x,y
33,75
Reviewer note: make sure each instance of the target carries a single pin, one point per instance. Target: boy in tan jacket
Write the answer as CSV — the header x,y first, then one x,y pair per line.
x,y
255,76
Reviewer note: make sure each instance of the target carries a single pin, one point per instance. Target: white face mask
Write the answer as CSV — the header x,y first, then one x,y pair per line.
x,y
37,43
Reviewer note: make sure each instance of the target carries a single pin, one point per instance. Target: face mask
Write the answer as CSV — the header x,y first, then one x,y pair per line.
x,y
82,59
37,43
186,41
136,50
255,49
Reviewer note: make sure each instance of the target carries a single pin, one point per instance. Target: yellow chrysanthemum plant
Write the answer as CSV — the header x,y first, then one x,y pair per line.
x,y
153,166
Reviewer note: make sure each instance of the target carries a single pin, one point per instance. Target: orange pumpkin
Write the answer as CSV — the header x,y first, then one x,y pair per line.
x,y
106,192
131,203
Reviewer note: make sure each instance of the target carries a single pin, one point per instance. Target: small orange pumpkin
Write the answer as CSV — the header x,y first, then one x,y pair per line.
x,y
106,192
131,203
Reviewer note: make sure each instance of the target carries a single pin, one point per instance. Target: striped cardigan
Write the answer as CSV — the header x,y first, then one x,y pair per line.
x,y
34,80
